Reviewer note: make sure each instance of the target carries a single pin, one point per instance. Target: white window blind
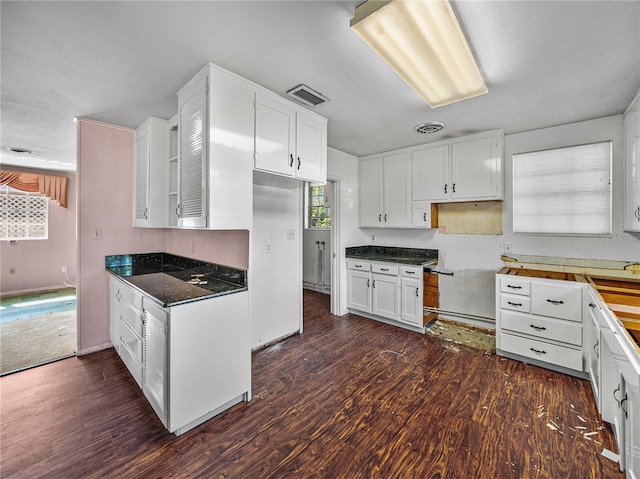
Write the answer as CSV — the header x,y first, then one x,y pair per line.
x,y
23,216
563,191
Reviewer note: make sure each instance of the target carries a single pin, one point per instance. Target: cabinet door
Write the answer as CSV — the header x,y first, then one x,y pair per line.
x,y
385,296
632,171
411,301
192,158
274,136
154,378
114,313
421,214
594,353
359,290
430,174
476,169
371,192
141,185
632,435
396,184
311,148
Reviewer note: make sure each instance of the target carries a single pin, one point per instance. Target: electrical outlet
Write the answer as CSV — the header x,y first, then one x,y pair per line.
x,y
97,233
64,269
507,247
373,238
193,246
268,248
291,234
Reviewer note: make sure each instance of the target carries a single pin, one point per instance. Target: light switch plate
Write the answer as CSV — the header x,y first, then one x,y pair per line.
x,y
291,234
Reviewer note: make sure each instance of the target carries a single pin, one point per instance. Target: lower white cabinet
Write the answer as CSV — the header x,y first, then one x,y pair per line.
x,y
539,320
191,360
386,291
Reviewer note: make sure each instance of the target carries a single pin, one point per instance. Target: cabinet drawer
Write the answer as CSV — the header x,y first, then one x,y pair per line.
x,y
545,328
515,303
131,296
550,353
515,286
385,269
132,318
411,271
557,301
134,367
131,341
358,265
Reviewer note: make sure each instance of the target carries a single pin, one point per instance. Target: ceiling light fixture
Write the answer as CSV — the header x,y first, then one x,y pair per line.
x,y
423,42
22,151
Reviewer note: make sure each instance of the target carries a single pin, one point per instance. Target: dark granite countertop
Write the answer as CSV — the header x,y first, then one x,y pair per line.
x,y
392,254
164,277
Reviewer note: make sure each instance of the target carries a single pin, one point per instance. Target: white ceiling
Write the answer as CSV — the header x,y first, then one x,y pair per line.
x,y
545,63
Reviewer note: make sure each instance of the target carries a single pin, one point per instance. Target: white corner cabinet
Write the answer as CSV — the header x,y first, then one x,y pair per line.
x,y
289,140
151,171
387,292
214,173
401,185
192,361
632,166
539,321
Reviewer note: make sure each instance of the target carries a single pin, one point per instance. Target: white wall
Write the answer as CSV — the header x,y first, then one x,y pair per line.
x,y
474,259
343,168
275,278
310,264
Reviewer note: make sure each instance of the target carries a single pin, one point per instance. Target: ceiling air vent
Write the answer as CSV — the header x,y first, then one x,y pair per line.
x,y
306,95
431,127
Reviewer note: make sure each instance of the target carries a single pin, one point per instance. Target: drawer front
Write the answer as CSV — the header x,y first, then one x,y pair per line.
x,y
515,286
358,265
411,271
132,341
385,269
545,328
557,301
550,353
134,367
131,296
514,303
133,319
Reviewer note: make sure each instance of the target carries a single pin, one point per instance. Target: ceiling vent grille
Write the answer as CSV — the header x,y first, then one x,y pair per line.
x,y
306,95
431,127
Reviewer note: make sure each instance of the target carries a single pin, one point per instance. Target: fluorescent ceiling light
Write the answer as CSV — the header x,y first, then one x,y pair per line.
x,y
423,42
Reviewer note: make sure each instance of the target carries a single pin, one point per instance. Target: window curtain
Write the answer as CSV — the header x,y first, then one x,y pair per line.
x,y
53,187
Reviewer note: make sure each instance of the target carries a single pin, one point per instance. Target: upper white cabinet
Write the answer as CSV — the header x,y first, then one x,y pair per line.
x,y
385,191
289,140
463,169
214,180
632,166
151,174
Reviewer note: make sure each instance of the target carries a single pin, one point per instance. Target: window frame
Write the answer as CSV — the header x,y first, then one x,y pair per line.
x,y
309,207
6,222
565,234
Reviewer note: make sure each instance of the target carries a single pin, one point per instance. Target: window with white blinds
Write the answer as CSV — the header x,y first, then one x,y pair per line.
x,y
564,191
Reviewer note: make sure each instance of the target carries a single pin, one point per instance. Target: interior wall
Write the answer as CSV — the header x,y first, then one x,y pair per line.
x,y
38,263
311,246
230,248
474,259
275,274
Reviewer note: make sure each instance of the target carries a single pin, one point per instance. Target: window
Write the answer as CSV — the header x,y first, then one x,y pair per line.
x,y
563,191
319,211
23,215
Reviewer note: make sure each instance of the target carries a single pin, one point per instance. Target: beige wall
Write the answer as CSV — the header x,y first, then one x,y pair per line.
x,y
38,263
105,200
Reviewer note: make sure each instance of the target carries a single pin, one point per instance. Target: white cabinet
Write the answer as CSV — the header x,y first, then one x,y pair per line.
x,y
430,174
114,313
593,352
385,191
476,169
540,321
215,178
632,166
386,291
151,174
289,140
629,440
192,361
174,135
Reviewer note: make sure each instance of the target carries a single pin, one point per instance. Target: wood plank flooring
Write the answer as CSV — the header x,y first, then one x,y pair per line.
x,y
349,398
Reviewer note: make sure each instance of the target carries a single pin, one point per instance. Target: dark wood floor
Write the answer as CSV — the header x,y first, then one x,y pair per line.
x,y
349,398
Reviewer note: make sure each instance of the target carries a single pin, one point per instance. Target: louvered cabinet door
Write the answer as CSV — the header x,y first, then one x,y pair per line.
x,y
192,160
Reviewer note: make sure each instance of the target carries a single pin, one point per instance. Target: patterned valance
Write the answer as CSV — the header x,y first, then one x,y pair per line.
x,y
53,187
